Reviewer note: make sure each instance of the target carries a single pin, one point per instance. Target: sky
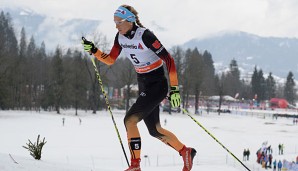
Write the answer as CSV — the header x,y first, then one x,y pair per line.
x,y
94,145
175,22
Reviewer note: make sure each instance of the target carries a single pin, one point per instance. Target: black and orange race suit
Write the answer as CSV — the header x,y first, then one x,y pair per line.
x,y
147,55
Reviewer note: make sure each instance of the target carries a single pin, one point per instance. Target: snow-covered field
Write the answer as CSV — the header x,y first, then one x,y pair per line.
x,y
93,145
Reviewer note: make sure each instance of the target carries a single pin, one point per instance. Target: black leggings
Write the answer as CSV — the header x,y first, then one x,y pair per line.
x,y
151,92
153,88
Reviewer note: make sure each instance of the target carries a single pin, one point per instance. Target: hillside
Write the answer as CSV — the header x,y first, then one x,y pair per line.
x,y
271,54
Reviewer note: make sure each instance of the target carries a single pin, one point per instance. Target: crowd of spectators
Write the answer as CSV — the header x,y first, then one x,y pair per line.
x,y
265,158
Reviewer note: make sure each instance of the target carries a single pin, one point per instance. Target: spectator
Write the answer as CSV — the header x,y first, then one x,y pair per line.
x,y
259,154
279,149
244,155
282,149
262,162
269,150
247,154
279,165
274,165
63,121
297,160
266,161
270,160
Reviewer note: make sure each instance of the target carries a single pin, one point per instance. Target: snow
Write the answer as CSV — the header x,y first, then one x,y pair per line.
x,y
93,145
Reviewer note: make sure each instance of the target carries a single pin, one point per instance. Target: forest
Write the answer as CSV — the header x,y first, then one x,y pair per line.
x,y
32,78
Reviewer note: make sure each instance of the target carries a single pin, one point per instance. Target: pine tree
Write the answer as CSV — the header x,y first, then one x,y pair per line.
x,y
208,85
35,148
270,87
196,68
21,71
8,62
262,90
258,85
79,81
289,89
31,71
232,83
255,83
43,77
186,80
57,80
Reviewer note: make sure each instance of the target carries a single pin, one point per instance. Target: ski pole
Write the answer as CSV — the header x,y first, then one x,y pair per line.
x,y
185,111
108,104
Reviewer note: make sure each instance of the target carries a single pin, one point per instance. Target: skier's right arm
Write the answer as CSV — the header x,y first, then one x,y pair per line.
x,y
108,59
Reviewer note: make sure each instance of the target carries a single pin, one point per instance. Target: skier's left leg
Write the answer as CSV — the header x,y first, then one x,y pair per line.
x,y
151,94
153,124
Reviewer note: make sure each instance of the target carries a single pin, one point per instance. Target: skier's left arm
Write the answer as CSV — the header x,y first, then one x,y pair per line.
x,y
151,41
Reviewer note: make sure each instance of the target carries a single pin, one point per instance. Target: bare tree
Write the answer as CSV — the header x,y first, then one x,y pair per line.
x,y
128,77
100,41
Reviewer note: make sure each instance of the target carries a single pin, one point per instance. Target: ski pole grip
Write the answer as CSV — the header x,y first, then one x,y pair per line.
x,y
84,40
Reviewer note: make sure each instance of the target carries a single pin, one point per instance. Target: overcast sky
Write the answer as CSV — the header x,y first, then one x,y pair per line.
x,y
175,21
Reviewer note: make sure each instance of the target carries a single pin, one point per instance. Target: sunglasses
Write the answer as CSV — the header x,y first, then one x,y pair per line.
x,y
120,22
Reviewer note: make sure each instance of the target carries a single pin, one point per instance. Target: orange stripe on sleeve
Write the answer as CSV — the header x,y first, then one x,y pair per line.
x,y
108,59
173,76
169,61
103,57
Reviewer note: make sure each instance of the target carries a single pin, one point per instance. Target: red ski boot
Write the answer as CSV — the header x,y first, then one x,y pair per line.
x,y
134,165
187,154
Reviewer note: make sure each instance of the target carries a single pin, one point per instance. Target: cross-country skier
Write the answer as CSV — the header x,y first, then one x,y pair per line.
x,y
148,56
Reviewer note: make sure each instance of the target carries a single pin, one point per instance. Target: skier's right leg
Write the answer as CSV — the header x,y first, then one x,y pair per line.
x,y
134,141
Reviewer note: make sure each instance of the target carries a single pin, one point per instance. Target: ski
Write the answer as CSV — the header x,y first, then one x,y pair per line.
x,y
13,159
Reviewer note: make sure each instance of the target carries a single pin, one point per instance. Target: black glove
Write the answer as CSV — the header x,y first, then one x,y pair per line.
x,y
88,46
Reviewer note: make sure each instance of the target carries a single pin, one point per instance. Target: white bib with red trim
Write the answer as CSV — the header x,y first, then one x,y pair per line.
x,y
143,58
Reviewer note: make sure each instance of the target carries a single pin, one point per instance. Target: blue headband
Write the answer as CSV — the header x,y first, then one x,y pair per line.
x,y
125,14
